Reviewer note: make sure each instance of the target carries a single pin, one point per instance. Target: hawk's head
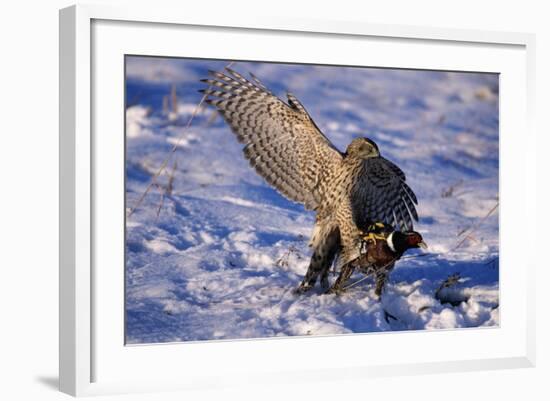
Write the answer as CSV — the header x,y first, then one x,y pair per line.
x,y
362,148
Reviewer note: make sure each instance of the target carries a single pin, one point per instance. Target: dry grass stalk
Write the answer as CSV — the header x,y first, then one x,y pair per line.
x,y
474,228
165,104
170,153
284,260
166,190
174,99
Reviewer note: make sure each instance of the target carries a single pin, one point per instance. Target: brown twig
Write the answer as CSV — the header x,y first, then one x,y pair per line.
x,y
450,191
170,153
367,276
283,261
170,185
167,190
473,228
161,203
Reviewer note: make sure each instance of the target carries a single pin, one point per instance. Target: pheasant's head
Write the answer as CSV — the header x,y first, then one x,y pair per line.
x,y
401,241
362,148
414,240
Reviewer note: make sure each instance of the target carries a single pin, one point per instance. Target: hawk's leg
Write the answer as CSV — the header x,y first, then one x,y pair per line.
x,y
320,263
345,274
324,278
317,264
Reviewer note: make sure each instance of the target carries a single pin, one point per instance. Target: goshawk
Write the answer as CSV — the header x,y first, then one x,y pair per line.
x,y
348,191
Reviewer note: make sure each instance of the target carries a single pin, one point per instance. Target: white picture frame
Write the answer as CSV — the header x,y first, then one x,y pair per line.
x,y
93,358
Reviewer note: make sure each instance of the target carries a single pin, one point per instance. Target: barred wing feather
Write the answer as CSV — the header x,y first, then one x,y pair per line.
x,y
281,140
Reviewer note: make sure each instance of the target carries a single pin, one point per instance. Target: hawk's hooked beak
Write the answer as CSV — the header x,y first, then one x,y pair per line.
x,y
423,245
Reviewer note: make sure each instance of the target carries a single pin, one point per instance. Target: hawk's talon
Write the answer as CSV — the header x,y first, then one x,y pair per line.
x,y
302,289
324,283
335,290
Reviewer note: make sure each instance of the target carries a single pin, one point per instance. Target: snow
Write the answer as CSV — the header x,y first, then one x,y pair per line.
x,y
222,256
137,121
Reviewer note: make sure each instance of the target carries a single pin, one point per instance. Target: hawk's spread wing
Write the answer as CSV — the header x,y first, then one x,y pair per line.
x,y
380,194
281,140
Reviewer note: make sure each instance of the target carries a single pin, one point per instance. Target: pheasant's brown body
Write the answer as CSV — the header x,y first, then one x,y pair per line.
x,y
378,257
378,254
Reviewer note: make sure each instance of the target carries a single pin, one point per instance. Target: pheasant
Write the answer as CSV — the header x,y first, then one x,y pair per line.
x,y
381,247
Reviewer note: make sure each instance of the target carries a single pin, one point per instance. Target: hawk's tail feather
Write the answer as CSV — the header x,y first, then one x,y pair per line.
x,y
410,208
409,192
405,221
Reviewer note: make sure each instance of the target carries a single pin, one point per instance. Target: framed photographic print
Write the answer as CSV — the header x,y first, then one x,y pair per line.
x,y
262,200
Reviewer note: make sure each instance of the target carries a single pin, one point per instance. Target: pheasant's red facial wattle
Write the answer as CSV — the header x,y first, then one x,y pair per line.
x,y
415,240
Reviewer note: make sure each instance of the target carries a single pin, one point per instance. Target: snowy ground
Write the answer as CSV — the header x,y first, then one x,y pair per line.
x,y
221,257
